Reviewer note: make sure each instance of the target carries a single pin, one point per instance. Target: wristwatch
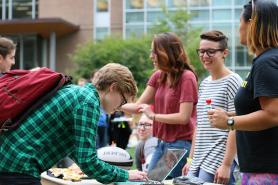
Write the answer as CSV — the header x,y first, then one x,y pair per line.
x,y
230,123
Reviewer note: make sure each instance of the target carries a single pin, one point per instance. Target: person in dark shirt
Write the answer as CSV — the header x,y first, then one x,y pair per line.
x,y
66,125
256,120
7,54
119,129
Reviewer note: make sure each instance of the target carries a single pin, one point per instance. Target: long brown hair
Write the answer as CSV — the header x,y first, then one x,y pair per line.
x,y
171,57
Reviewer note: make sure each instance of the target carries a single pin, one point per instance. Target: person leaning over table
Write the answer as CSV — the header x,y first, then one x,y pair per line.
x,y
256,102
7,54
67,125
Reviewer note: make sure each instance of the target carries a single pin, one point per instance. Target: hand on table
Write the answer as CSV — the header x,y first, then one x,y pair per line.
x,y
137,175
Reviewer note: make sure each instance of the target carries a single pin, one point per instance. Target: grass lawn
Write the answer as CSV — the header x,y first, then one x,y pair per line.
x,y
131,151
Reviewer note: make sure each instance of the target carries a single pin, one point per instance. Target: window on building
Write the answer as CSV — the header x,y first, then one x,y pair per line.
x,y
22,9
134,17
155,3
202,27
102,5
221,14
18,9
101,19
134,31
101,33
1,6
177,3
154,16
4,9
28,52
199,15
221,3
226,28
240,2
134,4
202,3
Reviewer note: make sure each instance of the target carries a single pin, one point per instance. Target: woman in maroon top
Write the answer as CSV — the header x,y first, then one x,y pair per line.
x,y
172,89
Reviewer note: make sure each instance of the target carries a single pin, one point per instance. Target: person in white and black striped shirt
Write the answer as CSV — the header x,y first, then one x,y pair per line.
x,y
211,160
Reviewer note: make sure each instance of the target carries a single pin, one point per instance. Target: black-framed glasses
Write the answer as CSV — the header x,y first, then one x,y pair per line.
x,y
210,52
124,100
144,125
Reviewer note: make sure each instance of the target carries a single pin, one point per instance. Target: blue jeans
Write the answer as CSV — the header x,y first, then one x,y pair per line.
x,y
208,177
18,179
161,149
202,174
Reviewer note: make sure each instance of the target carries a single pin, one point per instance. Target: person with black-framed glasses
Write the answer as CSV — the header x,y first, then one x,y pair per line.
x,y
66,125
215,162
210,51
147,143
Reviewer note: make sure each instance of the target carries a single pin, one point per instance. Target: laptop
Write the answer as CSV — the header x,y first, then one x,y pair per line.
x,y
163,169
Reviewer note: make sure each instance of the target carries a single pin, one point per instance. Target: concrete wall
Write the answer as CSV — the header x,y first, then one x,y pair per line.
x,y
117,17
78,12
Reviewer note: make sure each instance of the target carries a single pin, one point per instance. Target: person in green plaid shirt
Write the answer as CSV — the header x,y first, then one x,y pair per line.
x,y
66,125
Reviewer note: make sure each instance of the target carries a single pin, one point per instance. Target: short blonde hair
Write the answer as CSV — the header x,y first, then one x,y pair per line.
x,y
117,74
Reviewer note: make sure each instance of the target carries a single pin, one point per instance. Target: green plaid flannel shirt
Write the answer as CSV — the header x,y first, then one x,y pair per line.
x,y
65,125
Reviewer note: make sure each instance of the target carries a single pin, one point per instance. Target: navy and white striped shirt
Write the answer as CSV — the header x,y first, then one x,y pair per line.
x,y
210,143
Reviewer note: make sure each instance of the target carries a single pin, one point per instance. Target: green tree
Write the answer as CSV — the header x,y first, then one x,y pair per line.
x,y
134,52
178,22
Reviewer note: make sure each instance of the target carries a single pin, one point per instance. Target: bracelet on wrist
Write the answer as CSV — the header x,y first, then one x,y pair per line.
x,y
189,160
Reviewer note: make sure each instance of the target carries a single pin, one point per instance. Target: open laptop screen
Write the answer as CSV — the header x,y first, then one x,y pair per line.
x,y
166,164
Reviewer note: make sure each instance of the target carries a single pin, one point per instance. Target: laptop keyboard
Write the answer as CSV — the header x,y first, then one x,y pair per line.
x,y
152,182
